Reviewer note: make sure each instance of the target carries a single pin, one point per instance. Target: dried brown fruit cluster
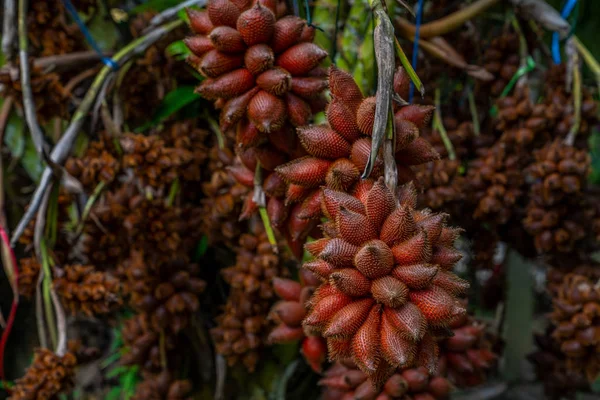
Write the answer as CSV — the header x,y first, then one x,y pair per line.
x,y
551,368
345,381
48,31
560,101
163,386
442,185
82,289
467,356
459,132
167,292
48,375
223,199
501,58
104,235
576,319
495,182
152,82
48,93
142,342
243,326
29,270
556,213
152,162
98,164
521,123
389,292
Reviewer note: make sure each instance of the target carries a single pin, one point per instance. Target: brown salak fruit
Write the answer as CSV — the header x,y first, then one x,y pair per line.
x,y
344,381
560,382
143,345
29,270
442,184
163,386
468,357
259,67
289,312
557,216
576,320
338,152
242,329
168,292
48,375
388,291
83,289
495,183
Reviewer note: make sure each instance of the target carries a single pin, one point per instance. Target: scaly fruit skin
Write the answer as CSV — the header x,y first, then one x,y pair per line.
x,y
576,320
338,151
344,381
289,313
467,357
260,67
388,290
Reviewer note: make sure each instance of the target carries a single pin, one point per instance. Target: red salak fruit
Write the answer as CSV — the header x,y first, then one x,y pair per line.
x,y
339,150
260,67
345,381
289,313
388,290
468,357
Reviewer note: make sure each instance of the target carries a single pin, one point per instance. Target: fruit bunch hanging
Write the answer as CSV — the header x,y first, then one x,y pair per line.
x,y
220,233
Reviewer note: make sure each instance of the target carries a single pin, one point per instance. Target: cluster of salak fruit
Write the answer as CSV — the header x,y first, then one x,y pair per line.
x,y
378,310
522,164
384,291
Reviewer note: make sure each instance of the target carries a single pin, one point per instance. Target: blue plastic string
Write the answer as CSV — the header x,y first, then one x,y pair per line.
x,y
411,92
88,36
566,11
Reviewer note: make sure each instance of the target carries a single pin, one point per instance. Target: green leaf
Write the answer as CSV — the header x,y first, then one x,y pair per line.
x,y
201,248
173,102
31,162
117,371
595,386
281,386
103,30
178,50
14,136
182,15
110,359
114,394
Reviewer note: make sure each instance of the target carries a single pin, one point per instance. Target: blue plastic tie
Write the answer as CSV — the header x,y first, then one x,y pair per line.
x,y
566,11
88,36
411,92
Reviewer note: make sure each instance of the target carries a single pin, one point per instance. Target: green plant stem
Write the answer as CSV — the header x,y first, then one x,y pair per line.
x,y
589,59
63,147
259,198
474,113
570,139
438,125
407,65
173,191
163,350
88,206
46,288
216,130
28,101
